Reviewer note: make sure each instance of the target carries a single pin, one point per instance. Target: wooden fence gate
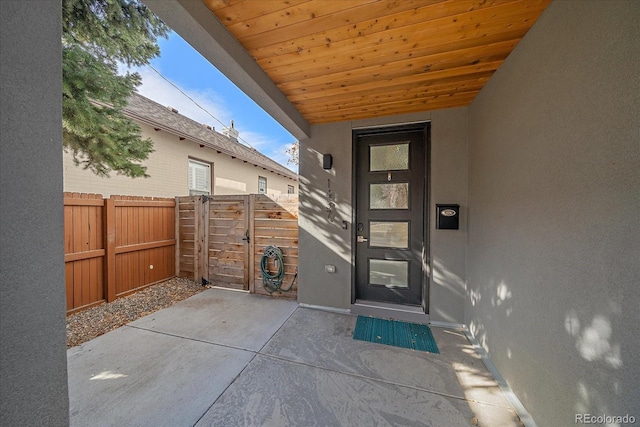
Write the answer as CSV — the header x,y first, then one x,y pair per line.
x,y
221,239
229,241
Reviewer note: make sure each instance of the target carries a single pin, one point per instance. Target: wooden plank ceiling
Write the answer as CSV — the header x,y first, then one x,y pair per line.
x,y
353,59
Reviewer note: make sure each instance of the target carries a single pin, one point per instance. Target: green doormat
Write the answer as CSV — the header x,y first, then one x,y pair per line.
x,y
395,333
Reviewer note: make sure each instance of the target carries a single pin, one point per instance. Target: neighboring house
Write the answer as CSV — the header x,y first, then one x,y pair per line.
x,y
189,158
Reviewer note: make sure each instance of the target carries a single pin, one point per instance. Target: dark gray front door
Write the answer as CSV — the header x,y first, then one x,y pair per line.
x,y
390,220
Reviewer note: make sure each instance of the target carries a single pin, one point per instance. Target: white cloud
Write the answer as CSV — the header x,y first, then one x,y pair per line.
x,y
161,91
281,156
270,147
256,140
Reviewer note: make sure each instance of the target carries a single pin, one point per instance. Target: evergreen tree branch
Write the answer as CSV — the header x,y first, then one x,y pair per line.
x,y
97,34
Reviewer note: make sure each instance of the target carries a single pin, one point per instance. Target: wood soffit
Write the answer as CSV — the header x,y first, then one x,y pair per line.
x,y
348,60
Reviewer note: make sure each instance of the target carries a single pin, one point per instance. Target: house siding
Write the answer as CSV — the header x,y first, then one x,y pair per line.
x,y
321,242
554,239
168,168
449,185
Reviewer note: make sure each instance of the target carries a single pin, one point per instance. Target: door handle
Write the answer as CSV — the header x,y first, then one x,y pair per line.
x,y
246,237
362,239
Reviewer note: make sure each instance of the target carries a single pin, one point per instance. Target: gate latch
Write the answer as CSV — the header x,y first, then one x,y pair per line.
x,y
246,237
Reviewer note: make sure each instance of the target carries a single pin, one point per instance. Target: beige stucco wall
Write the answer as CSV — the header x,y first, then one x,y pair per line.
x,y
168,168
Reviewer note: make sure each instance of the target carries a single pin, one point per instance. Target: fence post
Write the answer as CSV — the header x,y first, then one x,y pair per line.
x,y
204,238
252,245
200,251
110,249
177,236
196,238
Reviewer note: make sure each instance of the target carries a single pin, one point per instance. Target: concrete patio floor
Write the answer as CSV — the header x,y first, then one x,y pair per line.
x,y
225,358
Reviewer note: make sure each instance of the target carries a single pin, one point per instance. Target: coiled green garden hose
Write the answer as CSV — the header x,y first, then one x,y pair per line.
x,y
273,282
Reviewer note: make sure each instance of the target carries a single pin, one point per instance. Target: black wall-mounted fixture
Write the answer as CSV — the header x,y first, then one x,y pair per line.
x,y
327,161
447,217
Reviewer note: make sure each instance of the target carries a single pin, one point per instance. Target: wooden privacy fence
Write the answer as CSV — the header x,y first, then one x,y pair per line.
x,y
221,239
116,246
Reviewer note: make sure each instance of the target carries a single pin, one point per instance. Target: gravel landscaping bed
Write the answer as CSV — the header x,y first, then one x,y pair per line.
x,y
93,322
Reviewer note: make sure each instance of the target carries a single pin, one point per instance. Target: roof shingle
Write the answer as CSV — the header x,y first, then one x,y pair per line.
x,y
153,114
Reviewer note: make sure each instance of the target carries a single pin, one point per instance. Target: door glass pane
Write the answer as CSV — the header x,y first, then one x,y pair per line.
x,y
389,196
389,157
389,234
392,274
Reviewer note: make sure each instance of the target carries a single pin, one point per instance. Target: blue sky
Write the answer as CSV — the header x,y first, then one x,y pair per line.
x,y
194,75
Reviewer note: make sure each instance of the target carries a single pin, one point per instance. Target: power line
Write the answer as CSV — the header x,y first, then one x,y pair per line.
x,y
196,104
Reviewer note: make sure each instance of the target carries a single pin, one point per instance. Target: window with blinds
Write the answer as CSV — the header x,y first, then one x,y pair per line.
x,y
199,178
262,185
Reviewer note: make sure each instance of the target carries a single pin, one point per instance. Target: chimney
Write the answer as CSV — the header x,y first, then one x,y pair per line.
x,y
231,132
